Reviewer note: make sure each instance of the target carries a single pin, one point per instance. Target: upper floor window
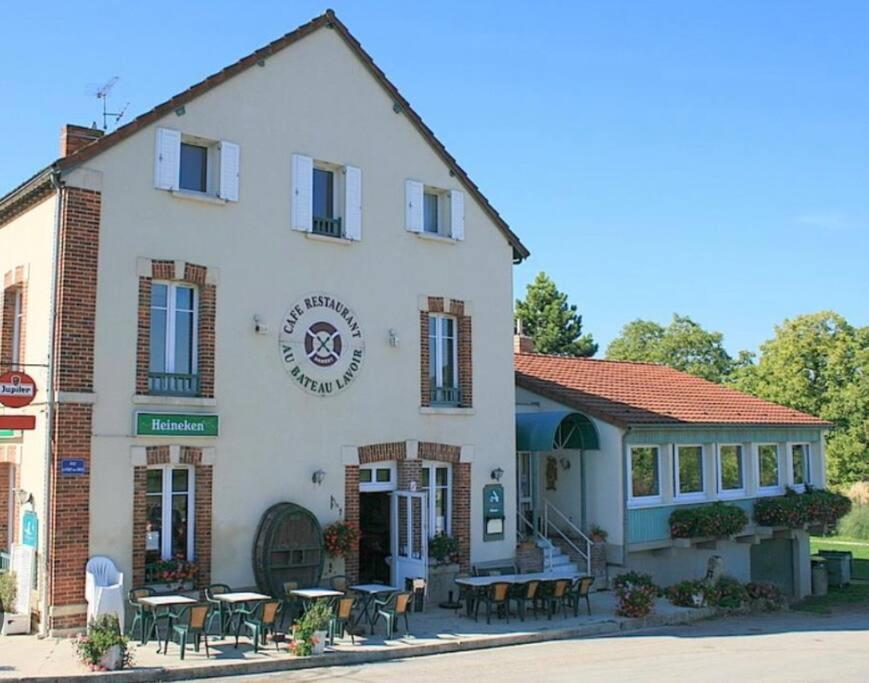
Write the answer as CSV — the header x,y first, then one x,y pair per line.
x,y
768,467
172,365
436,480
731,476
432,211
689,471
326,198
443,366
196,166
645,470
170,509
17,327
800,465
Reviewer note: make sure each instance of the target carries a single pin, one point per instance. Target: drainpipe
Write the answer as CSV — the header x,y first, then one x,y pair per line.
x,y
49,408
625,490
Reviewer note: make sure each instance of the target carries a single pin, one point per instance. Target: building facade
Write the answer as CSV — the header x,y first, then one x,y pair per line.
x,y
275,287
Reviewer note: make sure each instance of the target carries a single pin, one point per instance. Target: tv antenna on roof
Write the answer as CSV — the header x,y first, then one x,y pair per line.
x,y
102,93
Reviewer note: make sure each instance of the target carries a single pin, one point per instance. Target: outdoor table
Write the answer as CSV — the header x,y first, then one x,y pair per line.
x,y
166,602
477,583
368,593
233,600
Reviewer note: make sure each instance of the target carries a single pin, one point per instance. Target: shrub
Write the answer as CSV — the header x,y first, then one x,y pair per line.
x,y
716,520
856,523
636,594
8,591
765,596
728,593
316,618
793,510
687,593
443,548
339,538
103,633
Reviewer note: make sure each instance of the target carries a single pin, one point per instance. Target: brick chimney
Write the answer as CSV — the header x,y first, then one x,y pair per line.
x,y
73,138
521,343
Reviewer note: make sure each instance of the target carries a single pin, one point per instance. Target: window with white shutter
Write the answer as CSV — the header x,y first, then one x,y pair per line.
x,y
229,170
195,167
167,159
352,203
434,211
413,205
303,193
457,215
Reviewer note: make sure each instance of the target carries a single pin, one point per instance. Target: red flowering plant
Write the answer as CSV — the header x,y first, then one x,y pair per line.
x,y
339,538
793,510
716,520
177,570
636,594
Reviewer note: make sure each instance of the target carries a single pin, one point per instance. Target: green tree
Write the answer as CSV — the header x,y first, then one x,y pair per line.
x,y
683,345
818,363
551,321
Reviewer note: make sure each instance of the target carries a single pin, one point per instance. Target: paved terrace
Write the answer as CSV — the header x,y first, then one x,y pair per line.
x,y
433,631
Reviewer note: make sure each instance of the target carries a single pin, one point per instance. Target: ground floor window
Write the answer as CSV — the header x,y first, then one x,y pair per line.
x,y
170,514
731,477
436,480
800,464
767,466
689,471
645,469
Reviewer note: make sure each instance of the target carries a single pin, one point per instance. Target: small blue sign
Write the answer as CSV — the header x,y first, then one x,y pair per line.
x,y
29,528
73,466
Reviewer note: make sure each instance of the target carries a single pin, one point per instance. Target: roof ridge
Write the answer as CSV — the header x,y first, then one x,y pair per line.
x,y
597,360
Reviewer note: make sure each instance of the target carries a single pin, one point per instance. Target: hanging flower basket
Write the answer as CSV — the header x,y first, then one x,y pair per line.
x,y
339,538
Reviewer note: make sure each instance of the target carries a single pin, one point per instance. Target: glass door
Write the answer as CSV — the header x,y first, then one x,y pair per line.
x,y
409,536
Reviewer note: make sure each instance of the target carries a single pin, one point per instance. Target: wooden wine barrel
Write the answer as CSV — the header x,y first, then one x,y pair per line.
x,y
288,547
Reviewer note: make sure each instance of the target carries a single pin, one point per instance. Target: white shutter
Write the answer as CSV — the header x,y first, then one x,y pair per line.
x,y
303,193
457,215
167,159
229,166
413,201
352,203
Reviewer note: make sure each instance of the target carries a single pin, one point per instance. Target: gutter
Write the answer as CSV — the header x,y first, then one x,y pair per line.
x,y
57,184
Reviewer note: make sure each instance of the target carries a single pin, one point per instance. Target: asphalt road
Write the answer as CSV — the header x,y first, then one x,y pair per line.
x,y
784,647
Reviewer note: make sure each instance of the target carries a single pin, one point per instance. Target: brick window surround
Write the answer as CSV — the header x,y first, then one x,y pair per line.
x,y
202,510
409,470
456,309
14,285
189,273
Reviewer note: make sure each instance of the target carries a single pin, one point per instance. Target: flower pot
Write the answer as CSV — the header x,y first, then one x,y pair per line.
x,y
319,645
113,658
15,624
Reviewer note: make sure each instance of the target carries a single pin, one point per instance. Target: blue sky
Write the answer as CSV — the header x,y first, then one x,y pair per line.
x,y
705,158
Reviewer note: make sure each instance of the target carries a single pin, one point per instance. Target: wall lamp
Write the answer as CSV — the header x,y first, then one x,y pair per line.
x,y
318,477
497,473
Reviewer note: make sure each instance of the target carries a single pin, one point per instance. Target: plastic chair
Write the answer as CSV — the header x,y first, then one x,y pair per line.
x,y
522,594
342,616
104,589
189,621
391,609
555,595
497,596
141,613
221,612
290,604
580,591
260,621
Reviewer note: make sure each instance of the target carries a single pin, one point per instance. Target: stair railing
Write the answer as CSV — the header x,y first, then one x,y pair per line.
x,y
549,527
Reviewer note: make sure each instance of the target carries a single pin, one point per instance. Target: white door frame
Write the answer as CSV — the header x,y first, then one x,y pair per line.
x,y
403,564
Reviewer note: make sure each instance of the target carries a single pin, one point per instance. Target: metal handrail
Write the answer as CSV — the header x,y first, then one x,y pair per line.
x,y
547,548
588,542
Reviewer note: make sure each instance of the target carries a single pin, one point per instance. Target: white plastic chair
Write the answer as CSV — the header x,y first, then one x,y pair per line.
x,y
104,589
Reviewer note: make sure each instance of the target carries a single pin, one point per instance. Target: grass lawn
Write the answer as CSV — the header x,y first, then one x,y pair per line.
x,y
855,596
859,548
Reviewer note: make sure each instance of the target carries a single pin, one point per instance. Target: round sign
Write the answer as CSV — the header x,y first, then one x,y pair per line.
x,y
321,344
17,389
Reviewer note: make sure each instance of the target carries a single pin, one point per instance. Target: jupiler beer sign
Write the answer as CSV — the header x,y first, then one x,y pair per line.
x,y
321,344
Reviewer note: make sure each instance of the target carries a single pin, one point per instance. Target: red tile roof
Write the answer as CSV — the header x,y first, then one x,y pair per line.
x,y
626,393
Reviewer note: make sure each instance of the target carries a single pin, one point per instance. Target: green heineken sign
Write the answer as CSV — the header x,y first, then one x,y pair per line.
x,y
7,433
172,424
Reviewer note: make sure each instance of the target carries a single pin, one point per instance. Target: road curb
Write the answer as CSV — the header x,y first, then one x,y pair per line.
x,y
603,628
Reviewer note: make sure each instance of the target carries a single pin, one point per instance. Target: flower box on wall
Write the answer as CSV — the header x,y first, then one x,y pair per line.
x,y
175,587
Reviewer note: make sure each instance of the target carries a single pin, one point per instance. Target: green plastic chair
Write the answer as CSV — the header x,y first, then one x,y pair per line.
x,y
260,621
342,618
496,597
522,594
290,605
391,609
579,591
189,621
222,611
142,614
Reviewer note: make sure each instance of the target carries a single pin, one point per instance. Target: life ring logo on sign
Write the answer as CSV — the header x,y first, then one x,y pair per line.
x,y
17,389
321,344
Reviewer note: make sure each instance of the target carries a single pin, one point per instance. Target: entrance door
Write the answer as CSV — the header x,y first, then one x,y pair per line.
x,y
526,485
375,541
409,536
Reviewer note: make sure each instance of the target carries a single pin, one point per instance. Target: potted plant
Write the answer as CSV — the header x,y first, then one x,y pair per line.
x,y
443,552
598,534
13,623
310,631
339,538
104,647
636,594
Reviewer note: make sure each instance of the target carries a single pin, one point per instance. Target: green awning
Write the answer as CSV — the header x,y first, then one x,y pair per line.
x,y
554,431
